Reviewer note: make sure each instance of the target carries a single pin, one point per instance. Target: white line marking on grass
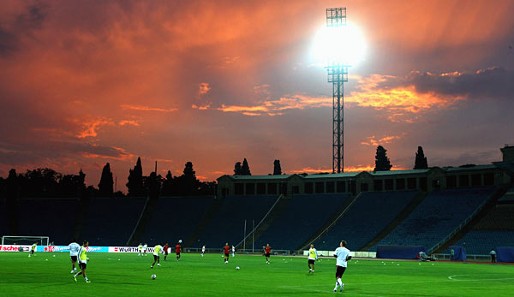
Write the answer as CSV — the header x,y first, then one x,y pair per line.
x,y
472,278
329,290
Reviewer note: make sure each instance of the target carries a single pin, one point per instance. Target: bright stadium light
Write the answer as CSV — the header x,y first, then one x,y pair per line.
x,y
337,46
343,45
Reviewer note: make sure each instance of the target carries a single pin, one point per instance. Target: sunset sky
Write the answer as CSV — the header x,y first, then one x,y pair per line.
x,y
83,83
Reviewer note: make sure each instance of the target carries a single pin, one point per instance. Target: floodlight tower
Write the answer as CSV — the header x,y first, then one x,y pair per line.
x,y
337,75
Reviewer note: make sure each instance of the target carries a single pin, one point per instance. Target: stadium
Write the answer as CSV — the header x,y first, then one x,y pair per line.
x,y
425,209
454,214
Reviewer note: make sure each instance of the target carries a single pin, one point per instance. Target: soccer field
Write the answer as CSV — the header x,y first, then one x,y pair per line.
x,y
48,274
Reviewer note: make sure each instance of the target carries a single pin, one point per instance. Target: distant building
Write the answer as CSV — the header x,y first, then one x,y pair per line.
x,y
426,180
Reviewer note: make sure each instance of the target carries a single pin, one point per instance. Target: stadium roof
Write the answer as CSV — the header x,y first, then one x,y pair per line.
x,y
284,177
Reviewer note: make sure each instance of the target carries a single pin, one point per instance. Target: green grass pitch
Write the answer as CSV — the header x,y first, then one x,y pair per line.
x,y
48,274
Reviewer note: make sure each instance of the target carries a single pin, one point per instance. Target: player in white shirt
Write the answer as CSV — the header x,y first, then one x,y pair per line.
x,y
74,254
203,250
342,255
233,251
145,248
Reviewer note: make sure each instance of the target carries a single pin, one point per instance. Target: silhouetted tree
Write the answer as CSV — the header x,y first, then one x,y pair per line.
x,y
245,169
238,169
41,182
72,185
11,186
167,185
152,184
81,183
187,184
106,185
135,180
382,162
12,193
421,161
207,188
277,170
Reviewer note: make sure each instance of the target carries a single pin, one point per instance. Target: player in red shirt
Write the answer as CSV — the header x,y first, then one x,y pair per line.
x,y
226,252
166,247
178,249
267,253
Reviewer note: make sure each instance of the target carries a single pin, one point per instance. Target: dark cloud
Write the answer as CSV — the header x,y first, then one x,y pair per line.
x,y
33,17
491,83
8,43
34,153
22,25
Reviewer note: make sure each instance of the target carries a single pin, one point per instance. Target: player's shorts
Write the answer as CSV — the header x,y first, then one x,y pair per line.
x,y
227,254
340,271
267,255
310,261
74,258
82,265
178,253
156,257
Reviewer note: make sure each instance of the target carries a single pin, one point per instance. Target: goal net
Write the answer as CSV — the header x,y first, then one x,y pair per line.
x,y
25,240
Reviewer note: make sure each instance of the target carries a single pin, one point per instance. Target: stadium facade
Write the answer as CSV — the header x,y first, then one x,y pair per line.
x,y
426,180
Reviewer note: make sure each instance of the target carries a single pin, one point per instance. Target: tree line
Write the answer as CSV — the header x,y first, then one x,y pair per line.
x,y
46,182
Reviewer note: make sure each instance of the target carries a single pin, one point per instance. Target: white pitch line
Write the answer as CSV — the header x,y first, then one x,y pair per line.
x,y
455,278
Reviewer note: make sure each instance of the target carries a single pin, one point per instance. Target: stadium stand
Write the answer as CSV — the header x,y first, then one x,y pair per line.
x,y
302,216
369,214
175,218
110,221
52,217
227,224
493,230
440,213
480,242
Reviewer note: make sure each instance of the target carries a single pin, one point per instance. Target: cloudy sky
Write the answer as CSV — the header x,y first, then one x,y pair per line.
x,y
83,83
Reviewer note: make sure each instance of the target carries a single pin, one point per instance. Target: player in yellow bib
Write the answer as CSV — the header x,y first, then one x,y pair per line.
x,y
313,256
33,249
156,257
83,259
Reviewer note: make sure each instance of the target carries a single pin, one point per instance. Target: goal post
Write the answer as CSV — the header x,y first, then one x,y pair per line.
x,y
25,240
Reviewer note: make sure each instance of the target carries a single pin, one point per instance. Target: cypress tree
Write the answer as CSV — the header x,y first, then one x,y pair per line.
x,y
382,162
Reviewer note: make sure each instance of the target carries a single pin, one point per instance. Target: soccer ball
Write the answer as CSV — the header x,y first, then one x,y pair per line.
x,y
154,276
237,268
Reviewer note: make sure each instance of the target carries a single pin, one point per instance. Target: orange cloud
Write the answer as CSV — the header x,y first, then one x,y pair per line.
x,y
372,141
353,168
359,168
129,123
274,107
402,103
310,170
147,108
91,127
201,107
117,153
